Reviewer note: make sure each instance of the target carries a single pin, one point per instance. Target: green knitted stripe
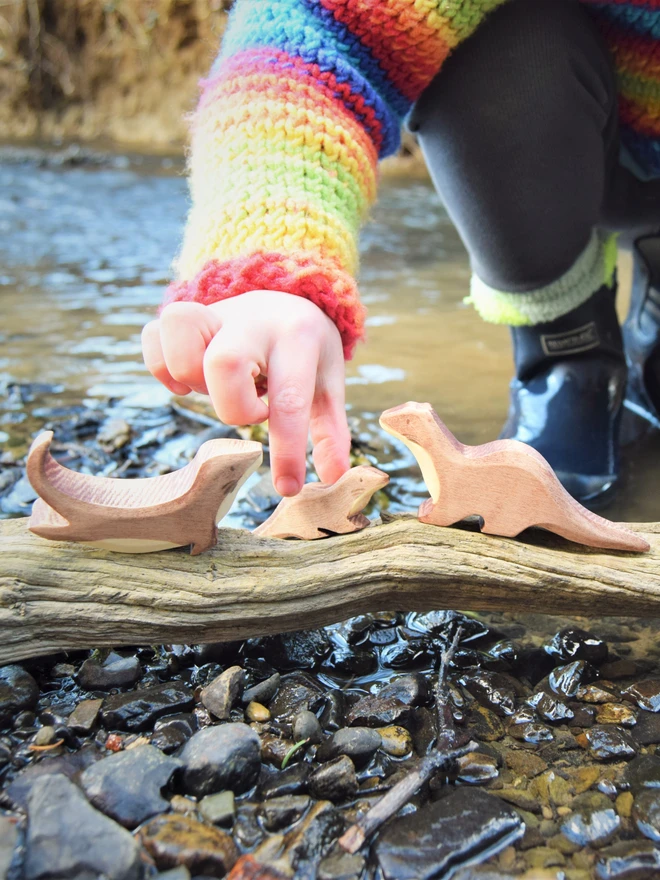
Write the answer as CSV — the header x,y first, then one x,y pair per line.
x,y
594,267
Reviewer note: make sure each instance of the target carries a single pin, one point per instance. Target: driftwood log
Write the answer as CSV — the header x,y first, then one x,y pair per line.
x,y
56,597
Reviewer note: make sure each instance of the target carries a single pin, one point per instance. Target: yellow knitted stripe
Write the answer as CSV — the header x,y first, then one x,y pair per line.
x,y
263,225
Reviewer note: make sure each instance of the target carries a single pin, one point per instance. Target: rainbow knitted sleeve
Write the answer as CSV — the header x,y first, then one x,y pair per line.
x,y
304,98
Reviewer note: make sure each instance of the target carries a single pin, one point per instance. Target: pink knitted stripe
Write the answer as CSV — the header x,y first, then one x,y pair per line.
x,y
315,278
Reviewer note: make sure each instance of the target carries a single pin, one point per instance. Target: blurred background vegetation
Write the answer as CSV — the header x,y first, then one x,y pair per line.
x,y
111,72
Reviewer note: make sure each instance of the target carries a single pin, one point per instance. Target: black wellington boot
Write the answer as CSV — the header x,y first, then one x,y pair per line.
x,y
641,336
567,395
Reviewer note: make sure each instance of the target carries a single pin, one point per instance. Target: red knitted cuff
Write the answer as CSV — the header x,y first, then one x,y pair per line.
x,y
316,279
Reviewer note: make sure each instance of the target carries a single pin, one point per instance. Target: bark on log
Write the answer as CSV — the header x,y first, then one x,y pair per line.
x,y
56,596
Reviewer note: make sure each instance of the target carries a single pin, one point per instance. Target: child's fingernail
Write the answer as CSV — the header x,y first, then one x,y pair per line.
x,y
287,485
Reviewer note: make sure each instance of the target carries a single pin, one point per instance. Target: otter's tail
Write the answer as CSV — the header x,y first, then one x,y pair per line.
x,y
583,526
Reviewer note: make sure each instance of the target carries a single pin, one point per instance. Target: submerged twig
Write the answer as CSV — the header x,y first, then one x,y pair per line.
x,y
449,746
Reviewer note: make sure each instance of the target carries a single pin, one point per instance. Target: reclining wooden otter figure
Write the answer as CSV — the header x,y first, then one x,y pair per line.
x,y
320,509
142,515
509,484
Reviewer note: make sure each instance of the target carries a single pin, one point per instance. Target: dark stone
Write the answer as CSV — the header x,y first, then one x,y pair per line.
x,y
333,712
377,711
224,757
247,830
68,765
422,726
646,813
492,690
566,680
381,637
646,694
114,673
181,840
445,834
310,840
297,691
295,650
629,860
607,743
223,692
476,768
67,839
353,631
217,652
83,718
643,772
577,644
445,624
293,780
263,692
18,690
583,716
335,781
591,827
127,785
173,731
280,812
138,710
647,730
306,726
358,743
411,689
536,733
550,707
404,655
349,661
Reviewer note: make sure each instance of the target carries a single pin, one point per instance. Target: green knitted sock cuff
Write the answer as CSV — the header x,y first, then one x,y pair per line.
x,y
594,267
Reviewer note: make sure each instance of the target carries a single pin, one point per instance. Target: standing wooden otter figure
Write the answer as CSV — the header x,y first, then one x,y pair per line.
x,y
508,483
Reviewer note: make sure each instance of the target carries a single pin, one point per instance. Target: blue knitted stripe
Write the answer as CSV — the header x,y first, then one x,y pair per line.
x,y
287,26
361,56
645,22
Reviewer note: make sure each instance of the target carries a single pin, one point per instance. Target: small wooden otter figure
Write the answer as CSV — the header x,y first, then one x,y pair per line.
x,y
509,484
140,516
320,509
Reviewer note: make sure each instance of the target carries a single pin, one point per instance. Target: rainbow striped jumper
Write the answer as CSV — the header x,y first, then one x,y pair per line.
x,y
304,99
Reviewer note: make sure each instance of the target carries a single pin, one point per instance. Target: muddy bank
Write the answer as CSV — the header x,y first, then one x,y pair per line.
x,y
120,73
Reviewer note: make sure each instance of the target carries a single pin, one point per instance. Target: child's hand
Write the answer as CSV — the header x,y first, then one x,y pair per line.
x,y
223,348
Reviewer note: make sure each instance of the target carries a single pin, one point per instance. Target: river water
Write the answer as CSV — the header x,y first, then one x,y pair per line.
x,y
85,251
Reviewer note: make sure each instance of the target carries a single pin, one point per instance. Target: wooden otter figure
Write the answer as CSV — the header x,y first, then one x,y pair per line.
x,y
320,509
508,483
143,515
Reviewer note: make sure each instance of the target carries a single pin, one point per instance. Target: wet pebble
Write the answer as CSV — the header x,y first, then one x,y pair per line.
x,y
138,710
476,768
341,866
67,838
227,756
350,661
525,764
306,726
274,749
485,725
115,672
647,730
263,692
493,690
335,781
18,690
593,693
577,644
295,650
616,713
358,743
607,743
333,711
173,731
646,813
83,718
643,772
377,711
646,694
257,712
550,707
629,860
395,740
280,812
223,692
566,680
297,691
446,833
127,786
292,780
591,827
181,840
218,809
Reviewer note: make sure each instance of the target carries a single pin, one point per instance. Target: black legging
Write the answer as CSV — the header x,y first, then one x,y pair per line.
x,y
520,134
